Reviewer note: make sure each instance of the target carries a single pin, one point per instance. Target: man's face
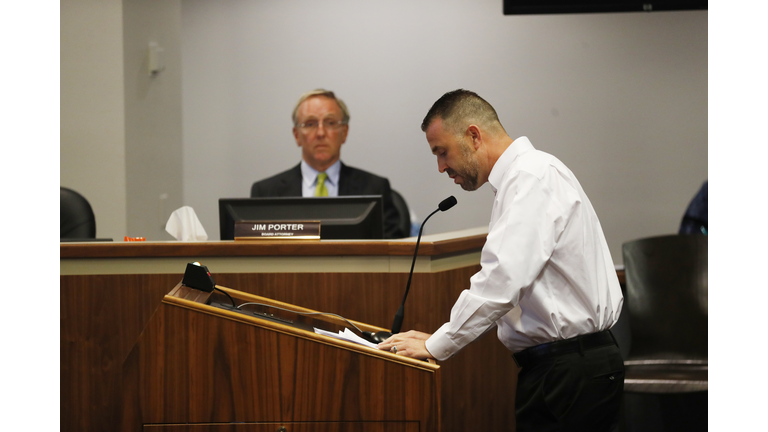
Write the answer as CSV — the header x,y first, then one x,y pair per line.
x,y
320,145
455,156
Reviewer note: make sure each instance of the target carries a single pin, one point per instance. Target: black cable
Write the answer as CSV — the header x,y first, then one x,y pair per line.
x,y
230,297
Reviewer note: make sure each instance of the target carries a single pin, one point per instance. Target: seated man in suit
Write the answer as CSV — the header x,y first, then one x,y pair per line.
x,y
320,127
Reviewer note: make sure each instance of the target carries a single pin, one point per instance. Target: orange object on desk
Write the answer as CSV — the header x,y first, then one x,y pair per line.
x,y
135,238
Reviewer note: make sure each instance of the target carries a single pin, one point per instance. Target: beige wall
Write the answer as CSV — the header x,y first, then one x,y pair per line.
x,y
92,109
121,130
153,116
620,98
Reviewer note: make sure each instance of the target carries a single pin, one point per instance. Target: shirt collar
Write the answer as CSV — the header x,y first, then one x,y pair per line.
x,y
309,174
516,148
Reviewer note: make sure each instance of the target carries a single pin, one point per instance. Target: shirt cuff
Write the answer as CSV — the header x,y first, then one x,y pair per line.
x,y
440,346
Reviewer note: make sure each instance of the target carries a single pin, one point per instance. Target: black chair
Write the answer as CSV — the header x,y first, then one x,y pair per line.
x,y
666,370
76,216
405,214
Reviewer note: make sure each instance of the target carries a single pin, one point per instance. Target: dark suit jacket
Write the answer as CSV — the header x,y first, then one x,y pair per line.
x,y
352,181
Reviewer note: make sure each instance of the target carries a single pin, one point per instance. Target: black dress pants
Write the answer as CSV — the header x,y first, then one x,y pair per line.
x,y
578,391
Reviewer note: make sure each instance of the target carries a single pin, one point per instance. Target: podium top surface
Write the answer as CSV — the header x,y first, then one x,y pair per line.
x,y
193,299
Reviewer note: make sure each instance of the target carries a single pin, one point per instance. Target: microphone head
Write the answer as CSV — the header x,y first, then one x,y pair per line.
x,y
447,203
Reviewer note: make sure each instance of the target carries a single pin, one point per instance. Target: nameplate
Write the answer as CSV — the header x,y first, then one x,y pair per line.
x,y
280,230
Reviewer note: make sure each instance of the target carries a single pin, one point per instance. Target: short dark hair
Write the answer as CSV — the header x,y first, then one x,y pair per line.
x,y
459,108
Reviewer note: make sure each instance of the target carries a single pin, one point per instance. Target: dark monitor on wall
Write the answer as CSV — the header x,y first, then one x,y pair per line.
x,y
541,7
346,217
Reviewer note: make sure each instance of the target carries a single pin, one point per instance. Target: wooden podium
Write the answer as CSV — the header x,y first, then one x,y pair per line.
x,y
197,368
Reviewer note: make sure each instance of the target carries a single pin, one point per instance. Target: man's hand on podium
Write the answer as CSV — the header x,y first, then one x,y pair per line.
x,y
410,344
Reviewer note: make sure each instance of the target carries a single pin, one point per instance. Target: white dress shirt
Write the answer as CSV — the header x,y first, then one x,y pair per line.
x,y
546,270
309,179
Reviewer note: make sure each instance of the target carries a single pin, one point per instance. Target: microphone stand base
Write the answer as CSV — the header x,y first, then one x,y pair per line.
x,y
377,337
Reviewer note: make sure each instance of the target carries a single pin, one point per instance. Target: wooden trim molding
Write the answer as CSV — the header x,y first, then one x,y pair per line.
x,y
434,245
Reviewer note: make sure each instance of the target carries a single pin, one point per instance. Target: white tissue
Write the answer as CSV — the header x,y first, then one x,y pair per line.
x,y
184,225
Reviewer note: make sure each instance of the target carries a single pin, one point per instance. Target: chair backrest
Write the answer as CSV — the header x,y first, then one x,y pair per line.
x,y
76,216
405,215
667,296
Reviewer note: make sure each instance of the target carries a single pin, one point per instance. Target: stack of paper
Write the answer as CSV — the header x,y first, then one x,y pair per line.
x,y
346,335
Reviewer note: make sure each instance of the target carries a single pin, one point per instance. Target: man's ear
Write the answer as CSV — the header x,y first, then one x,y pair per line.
x,y
344,130
477,138
296,136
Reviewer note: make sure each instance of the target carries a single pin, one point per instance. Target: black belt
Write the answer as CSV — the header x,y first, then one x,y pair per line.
x,y
529,356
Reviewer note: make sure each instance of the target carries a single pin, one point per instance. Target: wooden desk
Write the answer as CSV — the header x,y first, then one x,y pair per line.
x,y
109,291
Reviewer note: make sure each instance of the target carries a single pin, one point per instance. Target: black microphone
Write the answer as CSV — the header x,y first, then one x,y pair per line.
x,y
381,336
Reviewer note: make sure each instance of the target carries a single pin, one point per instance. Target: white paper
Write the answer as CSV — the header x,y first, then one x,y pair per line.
x,y
347,335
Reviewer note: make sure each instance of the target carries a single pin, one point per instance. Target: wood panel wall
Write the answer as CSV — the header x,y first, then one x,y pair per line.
x,y
102,317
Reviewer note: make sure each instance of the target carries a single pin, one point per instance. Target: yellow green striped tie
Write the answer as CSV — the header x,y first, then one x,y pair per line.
x,y
321,190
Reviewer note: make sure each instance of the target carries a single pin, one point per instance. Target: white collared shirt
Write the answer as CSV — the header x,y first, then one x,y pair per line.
x,y
309,179
547,273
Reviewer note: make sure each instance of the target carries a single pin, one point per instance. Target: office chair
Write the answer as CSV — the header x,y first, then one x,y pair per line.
x,y
76,216
666,370
402,210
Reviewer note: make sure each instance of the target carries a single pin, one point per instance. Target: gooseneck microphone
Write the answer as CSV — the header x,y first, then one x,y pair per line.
x,y
381,336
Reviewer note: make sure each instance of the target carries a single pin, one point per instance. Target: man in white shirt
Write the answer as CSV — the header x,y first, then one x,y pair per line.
x,y
547,280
